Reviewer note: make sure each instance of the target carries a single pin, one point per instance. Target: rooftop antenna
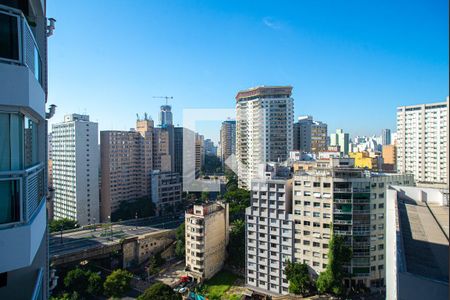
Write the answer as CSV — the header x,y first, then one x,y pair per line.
x,y
164,97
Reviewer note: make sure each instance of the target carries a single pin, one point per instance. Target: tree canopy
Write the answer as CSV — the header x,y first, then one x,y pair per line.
x,y
159,291
143,207
331,280
298,276
180,241
62,224
117,283
236,245
82,283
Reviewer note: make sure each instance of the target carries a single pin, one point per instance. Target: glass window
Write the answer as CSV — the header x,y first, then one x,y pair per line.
x,y
9,201
30,143
9,37
10,142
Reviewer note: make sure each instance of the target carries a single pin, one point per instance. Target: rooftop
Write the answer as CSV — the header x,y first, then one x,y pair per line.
x,y
263,91
424,230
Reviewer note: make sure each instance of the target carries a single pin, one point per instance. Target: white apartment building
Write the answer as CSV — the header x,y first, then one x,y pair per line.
x,y
23,150
264,129
334,192
166,191
207,235
75,169
422,141
269,231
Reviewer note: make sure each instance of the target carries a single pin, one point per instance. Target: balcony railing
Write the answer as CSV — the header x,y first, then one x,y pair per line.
x,y
26,193
21,47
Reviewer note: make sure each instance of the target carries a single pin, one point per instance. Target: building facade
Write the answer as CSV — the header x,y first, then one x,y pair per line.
x,y
341,139
417,264
353,201
386,137
23,150
389,155
165,116
310,135
227,140
422,141
166,191
264,129
269,232
207,234
122,157
75,169
178,150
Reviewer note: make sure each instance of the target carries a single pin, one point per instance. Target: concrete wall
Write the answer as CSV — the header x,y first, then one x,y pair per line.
x,y
429,195
138,250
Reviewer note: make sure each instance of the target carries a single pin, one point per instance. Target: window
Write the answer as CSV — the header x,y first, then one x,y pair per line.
x,y
316,184
326,184
9,37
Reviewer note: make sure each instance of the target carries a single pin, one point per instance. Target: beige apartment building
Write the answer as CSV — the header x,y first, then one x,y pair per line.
x,y
207,233
389,154
351,202
264,129
126,164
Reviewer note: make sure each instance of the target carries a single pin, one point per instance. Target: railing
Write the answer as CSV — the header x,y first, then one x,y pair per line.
x,y
28,51
343,190
29,193
347,222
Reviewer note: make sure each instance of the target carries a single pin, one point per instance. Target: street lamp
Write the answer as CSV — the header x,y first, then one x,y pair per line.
x,y
110,222
136,217
95,226
61,231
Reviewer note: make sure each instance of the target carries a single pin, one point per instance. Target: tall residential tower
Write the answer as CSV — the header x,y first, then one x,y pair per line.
x,y
422,141
264,121
23,150
76,161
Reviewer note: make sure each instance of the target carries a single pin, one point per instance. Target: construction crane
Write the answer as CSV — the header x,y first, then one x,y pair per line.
x,y
164,97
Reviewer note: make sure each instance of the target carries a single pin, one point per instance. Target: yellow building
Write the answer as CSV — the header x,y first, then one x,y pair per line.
x,y
365,160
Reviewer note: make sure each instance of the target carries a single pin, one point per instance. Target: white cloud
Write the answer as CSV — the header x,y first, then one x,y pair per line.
x,y
271,23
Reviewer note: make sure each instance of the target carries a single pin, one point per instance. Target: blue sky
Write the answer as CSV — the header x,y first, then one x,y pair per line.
x,y
351,63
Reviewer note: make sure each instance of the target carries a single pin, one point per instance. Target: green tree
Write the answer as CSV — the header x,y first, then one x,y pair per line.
x,y
339,255
143,207
159,291
236,245
298,276
117,283
239,200
180,251
155,262
76,280
94,284
64,224
205,196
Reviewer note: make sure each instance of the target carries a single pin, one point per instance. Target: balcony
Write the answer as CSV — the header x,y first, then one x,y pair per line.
x,y
21,66
21,47
23,192
344,222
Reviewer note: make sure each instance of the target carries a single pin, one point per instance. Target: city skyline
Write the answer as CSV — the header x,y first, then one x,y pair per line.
x,y
379,62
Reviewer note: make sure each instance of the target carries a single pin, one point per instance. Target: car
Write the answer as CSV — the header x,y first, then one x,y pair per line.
x,y
180,286
182,290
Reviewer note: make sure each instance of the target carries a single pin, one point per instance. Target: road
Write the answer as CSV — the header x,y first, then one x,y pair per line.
x,y
85,238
